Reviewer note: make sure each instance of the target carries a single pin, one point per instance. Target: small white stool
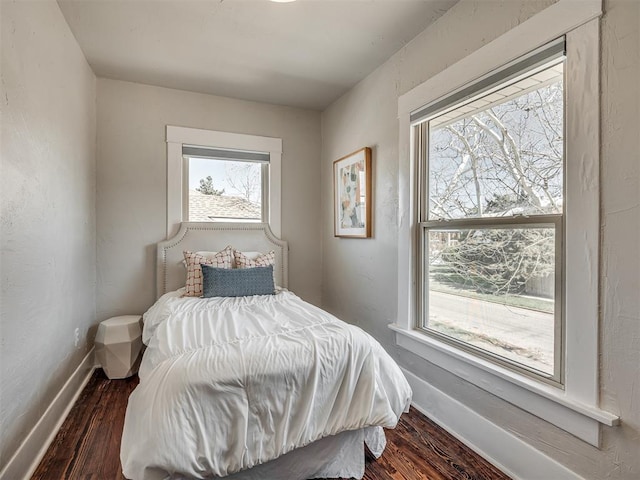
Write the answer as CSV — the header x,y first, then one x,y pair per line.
x,y
118,345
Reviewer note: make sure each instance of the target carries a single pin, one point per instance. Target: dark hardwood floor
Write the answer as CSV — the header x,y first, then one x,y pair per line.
x,y
88,444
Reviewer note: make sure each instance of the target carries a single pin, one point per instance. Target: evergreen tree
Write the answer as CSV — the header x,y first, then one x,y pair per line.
x,y
206,187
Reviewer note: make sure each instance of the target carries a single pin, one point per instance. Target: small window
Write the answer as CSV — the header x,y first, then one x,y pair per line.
x,y
491,212
225,185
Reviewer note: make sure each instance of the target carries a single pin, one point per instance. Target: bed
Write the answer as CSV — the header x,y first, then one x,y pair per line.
x,y
264,386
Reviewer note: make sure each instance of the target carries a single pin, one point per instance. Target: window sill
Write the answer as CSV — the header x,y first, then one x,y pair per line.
x,y
542,400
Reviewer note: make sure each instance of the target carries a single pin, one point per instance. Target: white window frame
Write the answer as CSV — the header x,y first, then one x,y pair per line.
x,y
176,137
574,408
548,55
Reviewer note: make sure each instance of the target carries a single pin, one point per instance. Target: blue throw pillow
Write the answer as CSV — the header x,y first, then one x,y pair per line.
x,y
237,282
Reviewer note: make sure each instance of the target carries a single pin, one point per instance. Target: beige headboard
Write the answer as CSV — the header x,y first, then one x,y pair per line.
x,y
211,236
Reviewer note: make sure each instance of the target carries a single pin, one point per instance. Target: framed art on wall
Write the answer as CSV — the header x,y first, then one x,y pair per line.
x,y
352,194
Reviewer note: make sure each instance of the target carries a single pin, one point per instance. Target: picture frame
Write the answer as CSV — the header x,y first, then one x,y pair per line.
x,y
352,194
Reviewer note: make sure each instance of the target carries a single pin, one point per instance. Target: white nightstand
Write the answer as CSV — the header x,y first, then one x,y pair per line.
x,y
118,345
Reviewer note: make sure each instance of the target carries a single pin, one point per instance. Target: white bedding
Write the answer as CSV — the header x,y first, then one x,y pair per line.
x,y
230,383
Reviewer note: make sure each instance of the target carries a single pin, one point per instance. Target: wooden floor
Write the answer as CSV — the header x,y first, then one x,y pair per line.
x,y
87,446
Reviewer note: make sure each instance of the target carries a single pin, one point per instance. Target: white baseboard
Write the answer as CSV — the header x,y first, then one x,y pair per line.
x,y
510,454
28,456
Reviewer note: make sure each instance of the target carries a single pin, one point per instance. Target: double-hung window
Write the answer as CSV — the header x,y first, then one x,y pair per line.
x,y
499,219
491,196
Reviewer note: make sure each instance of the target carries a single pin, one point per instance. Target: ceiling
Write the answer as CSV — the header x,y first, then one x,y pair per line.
x,y
303,54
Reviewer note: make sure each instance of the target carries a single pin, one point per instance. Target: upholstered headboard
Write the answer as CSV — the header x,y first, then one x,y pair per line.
x,y
211,236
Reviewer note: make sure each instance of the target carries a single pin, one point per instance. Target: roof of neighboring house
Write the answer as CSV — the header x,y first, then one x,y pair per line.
x,y
204,208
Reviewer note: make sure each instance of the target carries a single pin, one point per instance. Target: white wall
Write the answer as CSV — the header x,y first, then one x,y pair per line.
x,y
48,213
367,295
131,183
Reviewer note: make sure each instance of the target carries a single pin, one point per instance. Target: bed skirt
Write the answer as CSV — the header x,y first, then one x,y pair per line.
x,y
338,456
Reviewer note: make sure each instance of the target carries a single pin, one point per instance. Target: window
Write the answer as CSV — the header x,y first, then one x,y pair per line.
x,y
222,177
537,220
225,185
491,173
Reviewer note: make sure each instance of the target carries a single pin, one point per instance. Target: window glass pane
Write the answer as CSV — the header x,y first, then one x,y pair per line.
x,y
501,154
223,190
494,289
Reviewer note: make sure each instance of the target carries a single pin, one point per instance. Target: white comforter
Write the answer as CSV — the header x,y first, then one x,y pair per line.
x,y
226,384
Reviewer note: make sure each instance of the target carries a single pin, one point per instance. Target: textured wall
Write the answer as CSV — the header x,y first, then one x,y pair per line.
x,y
48,213
620,257
131,183
367,295
368,116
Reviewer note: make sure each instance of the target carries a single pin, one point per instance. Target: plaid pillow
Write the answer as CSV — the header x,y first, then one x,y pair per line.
x,y
193,286
264,260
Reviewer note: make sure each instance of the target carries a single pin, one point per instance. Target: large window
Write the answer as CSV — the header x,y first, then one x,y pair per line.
x,y
491,216
499,219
